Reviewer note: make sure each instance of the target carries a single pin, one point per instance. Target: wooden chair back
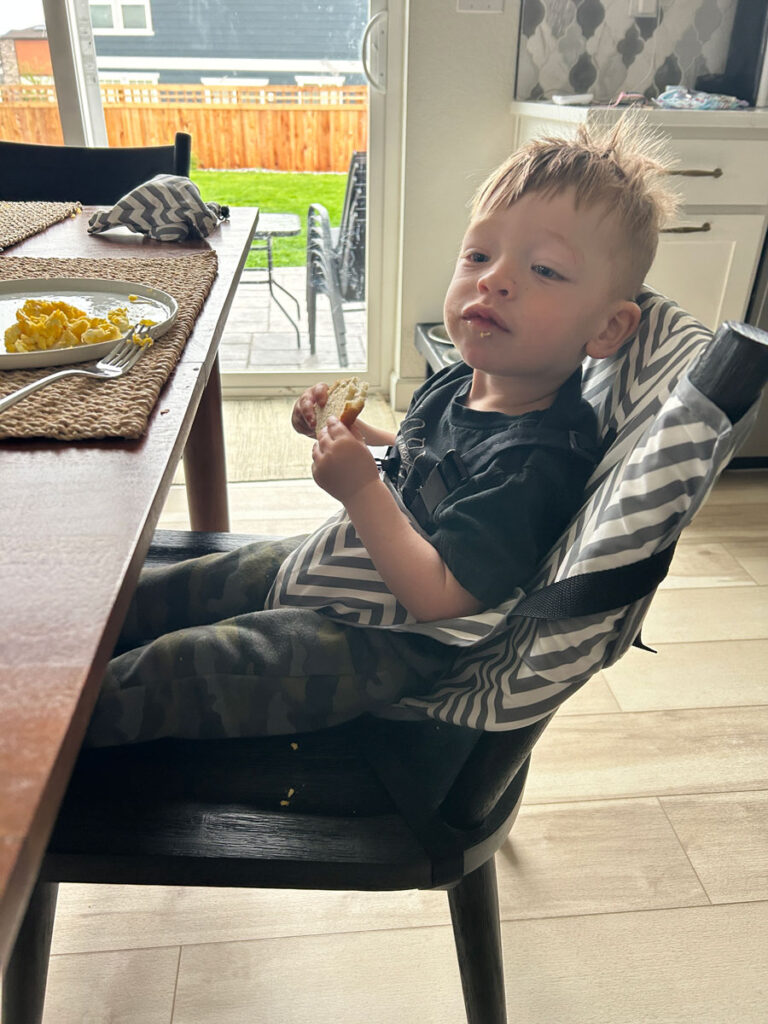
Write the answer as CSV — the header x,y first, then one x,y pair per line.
x,y
93,176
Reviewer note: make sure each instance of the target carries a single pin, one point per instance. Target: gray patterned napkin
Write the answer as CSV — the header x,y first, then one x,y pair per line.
x,y
168,208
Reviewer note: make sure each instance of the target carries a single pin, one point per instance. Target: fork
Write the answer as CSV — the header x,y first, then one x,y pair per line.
x,y
118,361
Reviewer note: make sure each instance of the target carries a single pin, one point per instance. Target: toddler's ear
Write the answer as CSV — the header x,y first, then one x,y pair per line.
x,y
622,323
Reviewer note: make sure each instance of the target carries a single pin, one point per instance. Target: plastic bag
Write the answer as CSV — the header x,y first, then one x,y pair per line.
x,y
677,97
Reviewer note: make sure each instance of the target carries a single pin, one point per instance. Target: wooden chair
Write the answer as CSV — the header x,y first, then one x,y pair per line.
x,y
336,256
89,175
385,804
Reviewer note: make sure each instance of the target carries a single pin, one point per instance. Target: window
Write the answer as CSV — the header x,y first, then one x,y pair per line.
x,y
121,17
101,16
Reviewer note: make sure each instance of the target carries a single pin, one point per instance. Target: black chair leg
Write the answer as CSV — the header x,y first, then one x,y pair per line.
x,y
476,928
25,976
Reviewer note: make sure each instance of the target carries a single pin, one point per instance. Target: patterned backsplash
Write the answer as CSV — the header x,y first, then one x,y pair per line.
x,y
580,46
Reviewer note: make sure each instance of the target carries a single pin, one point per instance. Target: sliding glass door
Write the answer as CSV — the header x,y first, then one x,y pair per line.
x,y
281,98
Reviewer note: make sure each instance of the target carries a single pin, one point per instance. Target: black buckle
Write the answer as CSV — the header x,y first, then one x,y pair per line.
x,y
387,458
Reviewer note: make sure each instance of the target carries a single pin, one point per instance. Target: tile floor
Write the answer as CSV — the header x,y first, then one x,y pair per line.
x,y
633,887
258,336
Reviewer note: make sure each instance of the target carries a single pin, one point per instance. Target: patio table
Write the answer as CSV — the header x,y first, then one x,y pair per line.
x,y
77,520
275,225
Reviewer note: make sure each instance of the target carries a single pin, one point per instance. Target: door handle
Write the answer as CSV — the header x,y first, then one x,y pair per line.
x,y
684,230
373,52
717,173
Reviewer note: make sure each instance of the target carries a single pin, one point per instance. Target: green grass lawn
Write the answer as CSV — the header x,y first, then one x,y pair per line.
x,y
276,192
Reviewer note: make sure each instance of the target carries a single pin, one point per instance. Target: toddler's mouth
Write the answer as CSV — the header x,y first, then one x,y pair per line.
x,y
482,319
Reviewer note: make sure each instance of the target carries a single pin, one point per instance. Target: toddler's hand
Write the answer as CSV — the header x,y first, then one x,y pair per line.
x,y
303,419
341,464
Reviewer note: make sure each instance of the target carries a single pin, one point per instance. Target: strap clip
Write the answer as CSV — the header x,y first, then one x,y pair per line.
x,y
446,476
387,459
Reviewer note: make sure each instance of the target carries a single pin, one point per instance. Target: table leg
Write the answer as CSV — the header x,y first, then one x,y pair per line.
x,y
25,977
205,468
277,284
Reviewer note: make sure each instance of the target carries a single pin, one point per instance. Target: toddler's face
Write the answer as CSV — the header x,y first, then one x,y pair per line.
x,y
534,285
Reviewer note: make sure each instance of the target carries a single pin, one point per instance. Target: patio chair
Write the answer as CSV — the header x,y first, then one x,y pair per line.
x,y
93,176
424,798
336,256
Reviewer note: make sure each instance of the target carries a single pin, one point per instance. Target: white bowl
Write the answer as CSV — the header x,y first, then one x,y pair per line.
x,y
439,334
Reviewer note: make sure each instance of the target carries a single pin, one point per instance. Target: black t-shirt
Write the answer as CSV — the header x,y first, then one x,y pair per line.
x,y
494,529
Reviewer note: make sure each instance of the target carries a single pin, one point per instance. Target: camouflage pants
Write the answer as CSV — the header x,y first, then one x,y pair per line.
x,y
201,658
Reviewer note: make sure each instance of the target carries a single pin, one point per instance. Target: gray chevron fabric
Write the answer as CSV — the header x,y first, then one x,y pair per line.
x,y
332,572
666,446
168,208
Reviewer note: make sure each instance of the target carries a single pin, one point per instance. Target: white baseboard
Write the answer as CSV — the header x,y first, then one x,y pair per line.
x,y
401,390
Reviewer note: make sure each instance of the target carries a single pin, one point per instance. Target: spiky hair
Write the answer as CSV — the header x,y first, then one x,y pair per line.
x,y
623,165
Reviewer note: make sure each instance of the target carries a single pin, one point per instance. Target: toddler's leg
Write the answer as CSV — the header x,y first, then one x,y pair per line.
x,y
269,673
203,590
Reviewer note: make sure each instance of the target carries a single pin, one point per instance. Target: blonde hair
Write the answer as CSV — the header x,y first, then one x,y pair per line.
x,y
623,166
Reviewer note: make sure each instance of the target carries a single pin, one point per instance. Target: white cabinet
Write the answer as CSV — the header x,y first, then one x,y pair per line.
x,y
707,261
710,272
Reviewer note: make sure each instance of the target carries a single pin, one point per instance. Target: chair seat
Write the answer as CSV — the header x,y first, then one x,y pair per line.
x,y
307,810
234,812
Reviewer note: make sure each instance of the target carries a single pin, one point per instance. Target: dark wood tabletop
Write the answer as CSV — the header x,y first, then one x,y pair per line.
x,y
76,521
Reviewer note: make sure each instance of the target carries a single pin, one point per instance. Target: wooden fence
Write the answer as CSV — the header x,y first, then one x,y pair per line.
x,y
280,128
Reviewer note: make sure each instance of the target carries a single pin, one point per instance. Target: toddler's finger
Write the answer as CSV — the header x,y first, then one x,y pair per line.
x,y
319,394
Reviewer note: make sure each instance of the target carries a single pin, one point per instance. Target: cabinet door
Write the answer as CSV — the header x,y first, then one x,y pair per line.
x,y
710,273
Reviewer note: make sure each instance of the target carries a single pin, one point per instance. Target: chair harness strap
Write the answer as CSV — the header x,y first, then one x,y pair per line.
x,y
454,468
594,593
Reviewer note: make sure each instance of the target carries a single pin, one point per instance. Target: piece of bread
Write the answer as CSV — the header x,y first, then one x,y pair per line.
x,y
346,399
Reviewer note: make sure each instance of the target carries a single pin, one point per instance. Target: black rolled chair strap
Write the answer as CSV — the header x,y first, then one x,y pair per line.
x,y
733,368
593,593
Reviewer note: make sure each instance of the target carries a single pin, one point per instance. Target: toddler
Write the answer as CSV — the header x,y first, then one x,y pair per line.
x,y
486,471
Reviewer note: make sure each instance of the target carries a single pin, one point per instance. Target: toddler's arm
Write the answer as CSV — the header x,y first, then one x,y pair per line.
x,y
409,565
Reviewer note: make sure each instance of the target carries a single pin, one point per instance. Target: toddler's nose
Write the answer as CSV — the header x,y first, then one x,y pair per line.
x,y
499,278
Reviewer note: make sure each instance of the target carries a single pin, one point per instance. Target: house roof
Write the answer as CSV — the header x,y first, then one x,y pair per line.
x,y
247,29
33,32
235,38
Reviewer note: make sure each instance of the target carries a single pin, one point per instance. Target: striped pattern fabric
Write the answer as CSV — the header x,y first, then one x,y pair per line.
x,y
331,572
666,446
168,208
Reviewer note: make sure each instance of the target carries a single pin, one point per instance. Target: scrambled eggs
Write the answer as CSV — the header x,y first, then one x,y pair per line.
x,y
42,324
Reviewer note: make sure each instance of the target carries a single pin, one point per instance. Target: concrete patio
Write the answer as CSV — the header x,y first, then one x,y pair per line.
x,y
258,336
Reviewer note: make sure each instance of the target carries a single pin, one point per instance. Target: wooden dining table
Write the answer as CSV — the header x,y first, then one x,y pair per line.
x,y
76,521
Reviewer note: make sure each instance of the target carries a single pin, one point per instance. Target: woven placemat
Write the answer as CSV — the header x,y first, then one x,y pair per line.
x,y
77,408
22,220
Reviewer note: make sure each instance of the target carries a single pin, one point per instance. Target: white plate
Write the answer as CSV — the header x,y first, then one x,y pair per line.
x,y
96,298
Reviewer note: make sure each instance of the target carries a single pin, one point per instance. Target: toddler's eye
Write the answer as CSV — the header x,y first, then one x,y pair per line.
x,y
476,257
547,272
